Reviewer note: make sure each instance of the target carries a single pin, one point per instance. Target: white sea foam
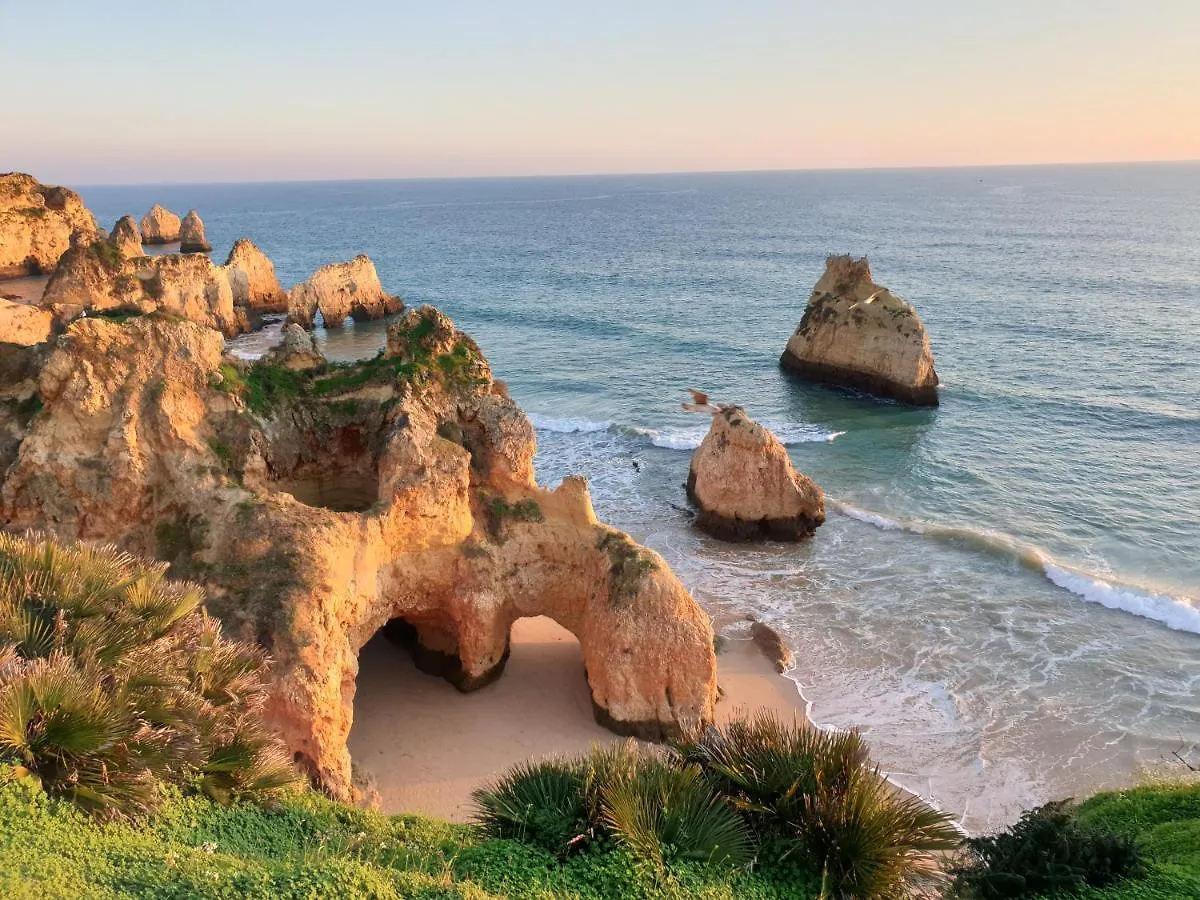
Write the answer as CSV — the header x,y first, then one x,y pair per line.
x,y
1173,612
789,434
567,426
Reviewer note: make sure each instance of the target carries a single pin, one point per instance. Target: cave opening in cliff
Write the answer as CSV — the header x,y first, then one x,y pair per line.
x,y
425,744
339,471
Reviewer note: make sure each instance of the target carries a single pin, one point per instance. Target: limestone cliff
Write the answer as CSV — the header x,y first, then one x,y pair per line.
x,y
160,226
23,325
191,234
744,486
858,334
265,292
320,506
340,291
95,277
126,238
36,224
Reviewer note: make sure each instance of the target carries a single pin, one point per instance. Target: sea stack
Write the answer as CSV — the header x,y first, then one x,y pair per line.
x,y
36,224
743,484
340,291
858,334
265,293
191,234
160,226
126,238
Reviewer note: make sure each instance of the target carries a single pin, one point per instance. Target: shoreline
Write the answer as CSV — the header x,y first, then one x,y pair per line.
x,y
425,747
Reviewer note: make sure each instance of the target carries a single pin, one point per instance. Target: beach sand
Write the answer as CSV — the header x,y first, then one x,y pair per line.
x,y
427,746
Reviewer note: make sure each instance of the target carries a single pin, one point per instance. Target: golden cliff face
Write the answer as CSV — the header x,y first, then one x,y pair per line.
x,y
858,334
264,292
744,486
36,224
319,505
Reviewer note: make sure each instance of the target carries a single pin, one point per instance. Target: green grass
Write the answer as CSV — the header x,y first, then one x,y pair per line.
x,y
306,847
1164,819
108,254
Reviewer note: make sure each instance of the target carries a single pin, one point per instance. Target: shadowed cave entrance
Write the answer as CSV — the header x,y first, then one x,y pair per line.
x,y
333,466
426,745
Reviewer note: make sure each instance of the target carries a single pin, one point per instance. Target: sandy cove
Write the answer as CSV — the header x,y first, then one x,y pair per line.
x,y
427,746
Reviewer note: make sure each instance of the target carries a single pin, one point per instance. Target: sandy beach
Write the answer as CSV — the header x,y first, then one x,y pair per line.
x,y
428,746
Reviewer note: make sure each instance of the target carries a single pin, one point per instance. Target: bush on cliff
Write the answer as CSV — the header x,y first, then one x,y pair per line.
x,y
114,683
810,801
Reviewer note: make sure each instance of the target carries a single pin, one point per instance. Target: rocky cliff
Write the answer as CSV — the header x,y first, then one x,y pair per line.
x,y
744,486
321,505
340,291
191,234
858,334
23,325
160,226
95,277
36,224
265,292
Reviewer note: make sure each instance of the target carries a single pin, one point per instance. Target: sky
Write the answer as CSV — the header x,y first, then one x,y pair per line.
x,y
211,90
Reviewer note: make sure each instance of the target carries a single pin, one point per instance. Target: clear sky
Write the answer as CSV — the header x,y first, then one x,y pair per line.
x,y
211,90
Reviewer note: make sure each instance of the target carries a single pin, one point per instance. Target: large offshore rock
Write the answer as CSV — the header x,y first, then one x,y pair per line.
x,y
191,234
318,507
160,226
36,224
126,238
858,334
340,291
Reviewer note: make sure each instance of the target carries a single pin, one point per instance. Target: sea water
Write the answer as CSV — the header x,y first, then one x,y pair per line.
x,y
1006,594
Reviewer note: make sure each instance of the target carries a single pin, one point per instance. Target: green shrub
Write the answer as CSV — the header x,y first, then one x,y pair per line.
x,y
1050,850
662,811
541,803
109,254
813,792
114,683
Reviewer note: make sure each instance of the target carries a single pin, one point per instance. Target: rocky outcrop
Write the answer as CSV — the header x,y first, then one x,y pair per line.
x,y
191,234
339,291
858,334
36,224
126,238
320,507
23,325
744,486
296,351
160,226
265,294
94,277
772,646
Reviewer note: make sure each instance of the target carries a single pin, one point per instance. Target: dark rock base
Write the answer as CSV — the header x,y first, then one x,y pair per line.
x,y
195,248
725,528
645,731
443,665
870,384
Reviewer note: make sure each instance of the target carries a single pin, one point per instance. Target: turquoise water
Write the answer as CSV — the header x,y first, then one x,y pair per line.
x,y
1006,595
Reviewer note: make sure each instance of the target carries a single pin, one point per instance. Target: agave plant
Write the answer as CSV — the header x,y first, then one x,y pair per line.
x,y
540,803
113,681
663,809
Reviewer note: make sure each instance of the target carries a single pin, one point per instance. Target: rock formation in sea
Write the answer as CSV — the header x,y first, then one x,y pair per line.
x,y
265,292
340,291
160,226
296,351
36,224
743,484
23,325
320,506
191,234
772,646
858,334
95,277
126,237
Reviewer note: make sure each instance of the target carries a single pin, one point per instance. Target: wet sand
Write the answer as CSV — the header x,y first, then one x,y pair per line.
x,y
427,746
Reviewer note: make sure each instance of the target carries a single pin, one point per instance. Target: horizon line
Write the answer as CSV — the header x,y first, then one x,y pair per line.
x,y
660,172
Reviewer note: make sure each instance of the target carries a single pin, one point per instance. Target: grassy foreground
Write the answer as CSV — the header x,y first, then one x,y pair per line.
x,y
305,846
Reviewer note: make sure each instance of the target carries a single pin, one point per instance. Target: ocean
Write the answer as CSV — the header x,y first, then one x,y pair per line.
x,y
1006,594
